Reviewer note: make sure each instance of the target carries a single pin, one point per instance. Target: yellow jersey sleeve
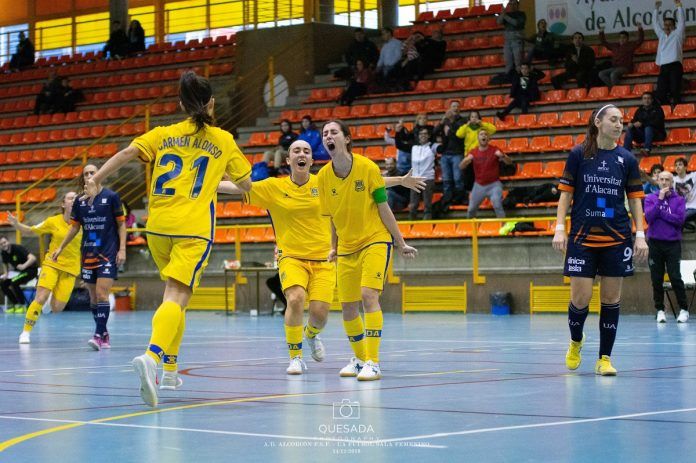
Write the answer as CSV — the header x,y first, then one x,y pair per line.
x,y
238,166
262,193
147,144
44,228
323,190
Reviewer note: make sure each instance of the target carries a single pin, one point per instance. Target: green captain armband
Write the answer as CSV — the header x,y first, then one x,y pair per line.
x,y
380,195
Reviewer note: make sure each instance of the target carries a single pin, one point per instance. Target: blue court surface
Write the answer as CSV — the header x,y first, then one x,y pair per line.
x,y
472,388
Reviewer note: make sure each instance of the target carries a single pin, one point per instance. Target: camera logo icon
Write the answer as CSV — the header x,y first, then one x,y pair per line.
x,y
346,410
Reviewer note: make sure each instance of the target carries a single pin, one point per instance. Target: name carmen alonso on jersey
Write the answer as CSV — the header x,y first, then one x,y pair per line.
x,y
185,142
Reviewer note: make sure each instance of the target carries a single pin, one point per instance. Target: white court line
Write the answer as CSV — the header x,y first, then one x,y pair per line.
x,y
208,431
536,425
448,372
122,346
194,364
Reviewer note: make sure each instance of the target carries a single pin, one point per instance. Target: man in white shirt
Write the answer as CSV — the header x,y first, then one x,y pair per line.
x,y
670,45
422,165
684,184
389,55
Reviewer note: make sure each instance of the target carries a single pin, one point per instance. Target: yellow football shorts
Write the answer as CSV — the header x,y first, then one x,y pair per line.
x,y
318,278
182,259
60,283
365,268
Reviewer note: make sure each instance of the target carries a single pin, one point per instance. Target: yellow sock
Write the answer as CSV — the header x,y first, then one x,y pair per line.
x,y
356,335
373,334
310,332
293,335
165,324
170,360
33,313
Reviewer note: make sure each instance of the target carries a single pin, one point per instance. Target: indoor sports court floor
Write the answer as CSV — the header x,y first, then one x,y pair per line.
x,y
472,388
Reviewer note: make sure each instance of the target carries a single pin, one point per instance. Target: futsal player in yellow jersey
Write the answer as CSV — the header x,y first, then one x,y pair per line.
x,y
352,193
190,159
303,237
57,278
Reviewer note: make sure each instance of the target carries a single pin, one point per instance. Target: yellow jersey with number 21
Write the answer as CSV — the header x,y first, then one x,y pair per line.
x,y
187,169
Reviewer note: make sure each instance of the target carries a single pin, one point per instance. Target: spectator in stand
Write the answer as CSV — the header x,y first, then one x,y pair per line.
x,y
67,97
664,213
513,20
469,133
423,156
24,56
130,221
397,197
579,64
452,155
358,85
136,37
647,125
486,160
389,57
524,90
622,55
544,45
651,185
361,48
280,152
670,47
432,51
49,95
421,123
117,45
684,184
410,62
310,134
26,266
403,158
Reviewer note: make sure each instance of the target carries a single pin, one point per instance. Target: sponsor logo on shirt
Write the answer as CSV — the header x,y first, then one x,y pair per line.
x,y
314,192
359,185
604,211
603,167
333,192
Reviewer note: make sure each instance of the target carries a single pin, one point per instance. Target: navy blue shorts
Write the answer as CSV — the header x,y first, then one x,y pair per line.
x,y
100,267
584,261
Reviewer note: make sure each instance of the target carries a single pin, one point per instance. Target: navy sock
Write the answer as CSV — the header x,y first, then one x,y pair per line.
x,y
93,308
608,322
576,321
102,317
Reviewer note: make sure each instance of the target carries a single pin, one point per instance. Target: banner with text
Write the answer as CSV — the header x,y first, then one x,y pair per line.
x,y
566,17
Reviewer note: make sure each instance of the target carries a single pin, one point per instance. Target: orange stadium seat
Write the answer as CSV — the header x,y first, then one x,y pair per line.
x,y
548,120
48,194
540,144
444,230
415,106
375,153
7,197
570,118
358,111
554,168
532,169
683,111
378,109
489,229
518,145
443,85
648,161
397,108
526,121
257,139
340,112
669,161
434,106
639,89
562,142
576,95
421,230
33,195
322,114
425,86
678,136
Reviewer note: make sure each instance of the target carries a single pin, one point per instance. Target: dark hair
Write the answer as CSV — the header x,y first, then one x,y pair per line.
x,y
3,236
580,34
287,121
624,33
308,117
359,29
388,29
682,160
654,167
195,93
542,19
344,129
478,113
652,95
589,146
670,18
81,178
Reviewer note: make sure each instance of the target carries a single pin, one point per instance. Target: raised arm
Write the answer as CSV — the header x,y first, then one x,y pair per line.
x,y
408,181
17,225
114,163
228,187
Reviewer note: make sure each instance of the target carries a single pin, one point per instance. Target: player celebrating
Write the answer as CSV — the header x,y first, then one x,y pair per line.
x,y
363,228
190,158
597,177
57,279
304,240
103,249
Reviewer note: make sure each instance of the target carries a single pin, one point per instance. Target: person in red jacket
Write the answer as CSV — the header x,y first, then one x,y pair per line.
x,y
486,159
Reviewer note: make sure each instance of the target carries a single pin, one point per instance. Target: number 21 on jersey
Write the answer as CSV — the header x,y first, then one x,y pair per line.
x,y
176,166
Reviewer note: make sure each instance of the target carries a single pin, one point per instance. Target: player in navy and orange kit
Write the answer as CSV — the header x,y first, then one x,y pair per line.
x,y
598,176
103,250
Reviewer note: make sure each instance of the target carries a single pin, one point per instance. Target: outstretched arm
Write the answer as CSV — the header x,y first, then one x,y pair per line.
x,y
17,225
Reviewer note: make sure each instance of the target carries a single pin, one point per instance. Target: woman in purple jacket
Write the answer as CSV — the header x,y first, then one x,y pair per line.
x,y
665,212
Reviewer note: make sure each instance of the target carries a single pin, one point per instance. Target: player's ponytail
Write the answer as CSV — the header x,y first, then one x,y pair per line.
x,y
589,146
195,93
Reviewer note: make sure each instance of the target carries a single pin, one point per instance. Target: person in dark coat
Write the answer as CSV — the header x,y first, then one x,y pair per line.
x,y
579,65
647,124
524,90
117,45
136,37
